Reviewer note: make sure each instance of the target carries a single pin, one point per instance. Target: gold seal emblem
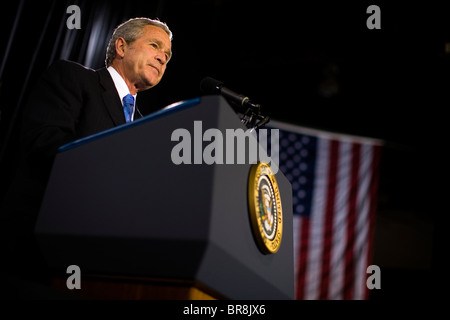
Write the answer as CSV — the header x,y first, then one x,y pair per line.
x,y
265,208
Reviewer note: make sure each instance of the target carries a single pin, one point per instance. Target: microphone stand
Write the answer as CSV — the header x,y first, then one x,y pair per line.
x,y
252,118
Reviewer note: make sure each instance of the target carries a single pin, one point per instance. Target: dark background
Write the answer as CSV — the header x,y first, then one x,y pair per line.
x,y
311,63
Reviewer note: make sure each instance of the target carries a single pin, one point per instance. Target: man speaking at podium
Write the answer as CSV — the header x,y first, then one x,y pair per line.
x,y
68,103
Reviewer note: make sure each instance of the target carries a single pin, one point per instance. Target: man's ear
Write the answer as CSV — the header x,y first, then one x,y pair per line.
x,y
121,45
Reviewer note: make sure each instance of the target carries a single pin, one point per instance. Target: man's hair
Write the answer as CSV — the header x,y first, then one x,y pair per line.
x,y
130,30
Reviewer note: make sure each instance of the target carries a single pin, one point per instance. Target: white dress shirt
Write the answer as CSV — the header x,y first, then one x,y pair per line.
x,y
121,86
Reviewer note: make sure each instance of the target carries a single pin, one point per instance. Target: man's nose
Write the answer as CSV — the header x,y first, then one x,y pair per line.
x,y
161,57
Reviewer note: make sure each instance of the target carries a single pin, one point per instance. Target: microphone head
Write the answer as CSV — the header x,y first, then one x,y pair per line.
x,y
210,86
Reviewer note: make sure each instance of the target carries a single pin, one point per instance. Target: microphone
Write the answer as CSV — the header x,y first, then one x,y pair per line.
x,y
212,86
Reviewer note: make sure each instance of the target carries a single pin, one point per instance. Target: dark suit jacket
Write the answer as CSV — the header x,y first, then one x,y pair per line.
x,y
68,102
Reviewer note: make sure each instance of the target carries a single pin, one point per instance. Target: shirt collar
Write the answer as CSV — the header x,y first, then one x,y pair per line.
x,y
120,84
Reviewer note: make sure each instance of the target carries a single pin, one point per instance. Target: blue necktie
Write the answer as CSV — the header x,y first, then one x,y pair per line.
x,y
128,106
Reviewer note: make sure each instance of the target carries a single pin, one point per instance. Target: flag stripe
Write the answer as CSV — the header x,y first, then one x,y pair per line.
x,y
351,221
329,215
372,207
303,256
362,226
315,236
340,223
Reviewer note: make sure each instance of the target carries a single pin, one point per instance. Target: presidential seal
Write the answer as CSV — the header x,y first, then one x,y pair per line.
x,y
265,208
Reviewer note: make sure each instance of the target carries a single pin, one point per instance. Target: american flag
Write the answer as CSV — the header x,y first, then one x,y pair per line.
x,y
334,181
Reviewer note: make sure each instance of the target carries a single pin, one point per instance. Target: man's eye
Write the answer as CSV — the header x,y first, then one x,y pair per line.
x,y
154,45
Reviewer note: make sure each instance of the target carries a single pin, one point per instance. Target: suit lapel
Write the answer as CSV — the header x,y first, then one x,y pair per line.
x,y
111,97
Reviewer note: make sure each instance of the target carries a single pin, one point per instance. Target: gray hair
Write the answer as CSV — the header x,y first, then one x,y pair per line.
x,y
130,30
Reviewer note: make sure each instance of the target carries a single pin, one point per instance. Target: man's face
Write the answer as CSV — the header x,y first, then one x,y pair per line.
x,y
146,58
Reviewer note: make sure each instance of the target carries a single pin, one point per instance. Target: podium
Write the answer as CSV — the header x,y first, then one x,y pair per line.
x,y
140,226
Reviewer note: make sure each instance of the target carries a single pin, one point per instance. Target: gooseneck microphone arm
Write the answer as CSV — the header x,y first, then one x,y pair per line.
x,y
252,116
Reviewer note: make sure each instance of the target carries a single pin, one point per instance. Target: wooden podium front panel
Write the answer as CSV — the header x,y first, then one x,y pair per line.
x,y
118,288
